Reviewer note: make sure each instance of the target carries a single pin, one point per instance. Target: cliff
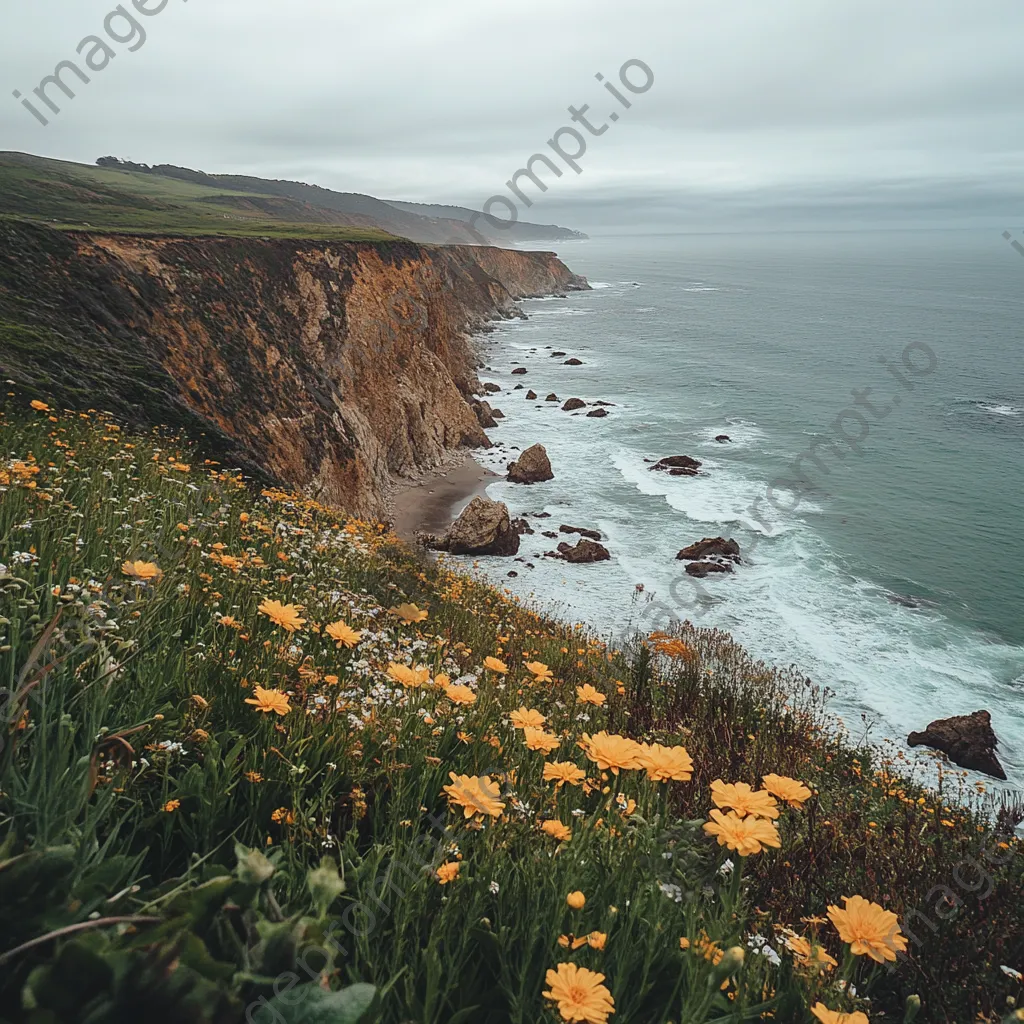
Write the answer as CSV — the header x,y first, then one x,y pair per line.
x,y
331,367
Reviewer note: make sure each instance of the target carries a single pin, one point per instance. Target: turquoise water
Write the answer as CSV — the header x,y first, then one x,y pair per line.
x,y
889,568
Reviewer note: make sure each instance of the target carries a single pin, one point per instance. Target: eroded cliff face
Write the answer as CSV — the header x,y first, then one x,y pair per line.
x,y
334,368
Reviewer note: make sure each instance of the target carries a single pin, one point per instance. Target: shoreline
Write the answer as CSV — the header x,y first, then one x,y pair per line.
x,y
432,503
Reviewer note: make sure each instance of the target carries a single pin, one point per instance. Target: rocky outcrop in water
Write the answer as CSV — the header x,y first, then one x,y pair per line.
x,y
483,528
968,740
711,547
532,467
584,552
589,534
701,570
678,465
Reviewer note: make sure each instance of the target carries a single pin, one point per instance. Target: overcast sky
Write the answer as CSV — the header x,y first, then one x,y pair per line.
x,y
793,111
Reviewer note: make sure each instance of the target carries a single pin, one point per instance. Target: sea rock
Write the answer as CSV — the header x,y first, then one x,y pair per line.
x,y
519,370
573,362
558,354
552,397
483,528
723,439
574,403
518,387
584,552
492,389
531,396
484,415
678,465
532,467
610,404
497,414
968,740
550,534
597,414
704,569
711,547
590,534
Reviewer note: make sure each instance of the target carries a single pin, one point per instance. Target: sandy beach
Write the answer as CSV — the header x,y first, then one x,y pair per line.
x,y
431,505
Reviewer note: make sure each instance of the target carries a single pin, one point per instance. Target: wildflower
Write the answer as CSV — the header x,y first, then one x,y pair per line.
x,y
671,646
809,955
743,800
827,1016
410,678
557,830
475,795
495,665
787,790
538,739
597,940
1011,973
409,613
343,633
254,777
579,994
229,622
448,872
744,835
494,888
269,701
145,571
39,406
576,900
526,718
562,772
282,814
868,928
588,695
540,671
460,694
666,763
284,615
612,753
171,806
200,702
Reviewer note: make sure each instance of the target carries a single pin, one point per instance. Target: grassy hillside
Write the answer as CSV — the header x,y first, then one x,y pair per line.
x,y
78,196
262,763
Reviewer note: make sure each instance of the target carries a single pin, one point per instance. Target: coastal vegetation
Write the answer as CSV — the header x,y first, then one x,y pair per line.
x,y
262,762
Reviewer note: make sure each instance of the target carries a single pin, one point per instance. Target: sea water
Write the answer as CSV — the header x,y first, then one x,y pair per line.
x,y
893,571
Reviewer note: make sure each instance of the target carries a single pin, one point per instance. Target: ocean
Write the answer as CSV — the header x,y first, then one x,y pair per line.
x,y
880,528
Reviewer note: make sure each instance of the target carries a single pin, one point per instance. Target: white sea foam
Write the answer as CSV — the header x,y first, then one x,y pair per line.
x,y
1001,410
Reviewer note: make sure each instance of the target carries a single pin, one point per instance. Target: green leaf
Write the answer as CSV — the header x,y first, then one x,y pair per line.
x,y
310,1004
325,885
253,868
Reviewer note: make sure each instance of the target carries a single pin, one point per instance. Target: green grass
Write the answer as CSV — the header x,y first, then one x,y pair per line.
x,y
136,781
79,197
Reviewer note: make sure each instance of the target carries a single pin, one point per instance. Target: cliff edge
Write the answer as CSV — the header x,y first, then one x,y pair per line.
x,y
331,367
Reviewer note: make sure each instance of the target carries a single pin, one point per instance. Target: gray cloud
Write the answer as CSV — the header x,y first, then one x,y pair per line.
x,y
783,110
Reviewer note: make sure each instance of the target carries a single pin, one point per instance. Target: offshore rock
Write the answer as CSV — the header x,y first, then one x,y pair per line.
x,y
716,547
483,528
532,467
968,740
584,552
